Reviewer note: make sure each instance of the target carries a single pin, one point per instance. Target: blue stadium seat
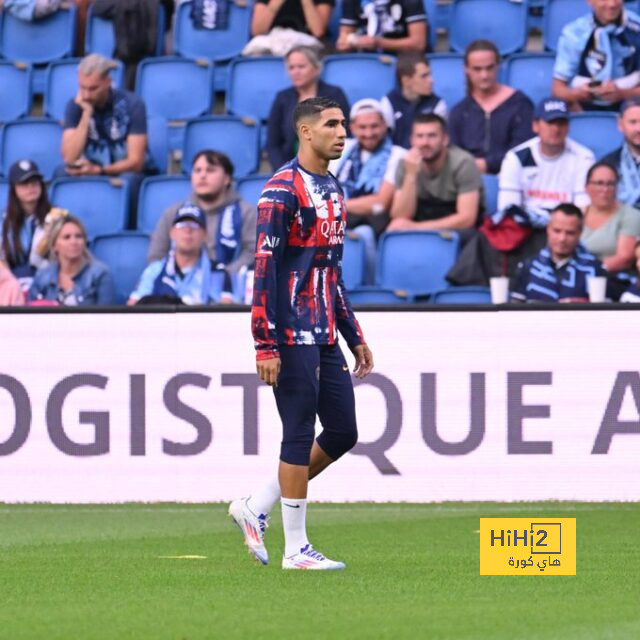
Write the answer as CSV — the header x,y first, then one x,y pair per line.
x,y
211,44
378,295
250,187
35,138
102,203
126,255
596,130
100,37
253,84
4,194
156,194
532,73
431,9
504,22
449,81
239,138
158,141
15,89
360,75
61,84
557,14
353,260
462,295
416,261
490,184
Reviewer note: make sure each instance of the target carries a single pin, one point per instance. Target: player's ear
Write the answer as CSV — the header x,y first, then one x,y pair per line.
x,y
304,130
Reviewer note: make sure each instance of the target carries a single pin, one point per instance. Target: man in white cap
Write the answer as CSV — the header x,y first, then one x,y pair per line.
x,y
366,172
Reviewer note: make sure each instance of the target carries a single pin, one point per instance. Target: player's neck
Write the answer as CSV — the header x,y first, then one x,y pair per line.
x,y
311,162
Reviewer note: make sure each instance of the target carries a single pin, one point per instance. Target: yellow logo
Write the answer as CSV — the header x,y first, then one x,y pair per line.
x,y
527,546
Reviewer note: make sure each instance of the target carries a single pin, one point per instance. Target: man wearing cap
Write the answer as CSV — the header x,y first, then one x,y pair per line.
x,y
186,273
626,159
366,172
598,57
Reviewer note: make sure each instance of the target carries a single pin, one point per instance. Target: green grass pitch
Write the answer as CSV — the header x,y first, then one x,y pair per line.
x,y
96,572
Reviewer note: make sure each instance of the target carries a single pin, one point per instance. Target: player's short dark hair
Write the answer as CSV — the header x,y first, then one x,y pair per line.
x,y
407,63
599,165
430,118
312,108
568,209
216,159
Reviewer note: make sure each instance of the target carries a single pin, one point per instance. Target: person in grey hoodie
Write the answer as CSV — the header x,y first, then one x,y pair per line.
x,y
493,118
231,222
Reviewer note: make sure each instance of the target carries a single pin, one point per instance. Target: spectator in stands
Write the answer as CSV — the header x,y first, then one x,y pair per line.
x,y
383,26
231,222
559,271
105,129
437,186
10,292
493,118
23,221
366,171
598,59
186,275
413,95
632,293
305,16
626,159
304,68
73,277
611,229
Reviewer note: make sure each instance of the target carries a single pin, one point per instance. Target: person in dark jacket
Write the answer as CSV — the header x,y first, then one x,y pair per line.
x,y
493,118
303,67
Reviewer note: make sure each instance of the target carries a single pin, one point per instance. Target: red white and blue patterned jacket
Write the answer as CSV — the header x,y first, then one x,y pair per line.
x,y
299,297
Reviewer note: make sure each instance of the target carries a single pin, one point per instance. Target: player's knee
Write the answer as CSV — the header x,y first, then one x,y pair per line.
x,y
336,444
297,450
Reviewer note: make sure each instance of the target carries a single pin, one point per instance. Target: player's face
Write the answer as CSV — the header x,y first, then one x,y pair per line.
x,y
430,140
301,71
602,187
188,236
70,243
421,82
94,88
482,70
327,134
606,11
629,124
369,129
208,181
552,133
563,234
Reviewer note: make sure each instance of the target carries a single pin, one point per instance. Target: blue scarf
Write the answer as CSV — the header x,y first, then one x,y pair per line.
x,y
210,14
629,187
359,179
193,288
229,237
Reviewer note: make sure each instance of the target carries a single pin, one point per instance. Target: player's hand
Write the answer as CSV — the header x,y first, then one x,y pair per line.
x,y
364,360
268,370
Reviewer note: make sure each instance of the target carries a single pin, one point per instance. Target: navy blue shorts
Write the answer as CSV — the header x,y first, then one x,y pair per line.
x,y
315,380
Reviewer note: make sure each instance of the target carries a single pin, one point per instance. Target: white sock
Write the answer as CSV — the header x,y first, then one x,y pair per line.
x,y
262,501
294,517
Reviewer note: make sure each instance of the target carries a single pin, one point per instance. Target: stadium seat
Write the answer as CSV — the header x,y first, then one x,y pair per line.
x,y
490,184
253,84
15,89
360,75
449,82
532,73
156,194
462,295
126,255
504,22
158,141
416,261
377,295
100,37
61,84
239,138
431,9
102,203
596,130
4,194
557,14
353,260
38,42
37,139
250,187
211,44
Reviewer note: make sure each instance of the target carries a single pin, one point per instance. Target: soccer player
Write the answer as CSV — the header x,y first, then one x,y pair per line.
x,y
299,305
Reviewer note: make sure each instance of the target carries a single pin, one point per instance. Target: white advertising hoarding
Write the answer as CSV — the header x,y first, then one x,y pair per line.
x,y
522,405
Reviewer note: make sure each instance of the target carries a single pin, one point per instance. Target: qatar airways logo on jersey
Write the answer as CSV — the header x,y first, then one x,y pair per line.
x,y
333,231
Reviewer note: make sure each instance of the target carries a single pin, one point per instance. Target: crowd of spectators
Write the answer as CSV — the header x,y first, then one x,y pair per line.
x,y
412,162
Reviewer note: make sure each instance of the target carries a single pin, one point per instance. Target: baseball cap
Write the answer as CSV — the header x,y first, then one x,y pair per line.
x,y
23,170
368,105
189,212
551,109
